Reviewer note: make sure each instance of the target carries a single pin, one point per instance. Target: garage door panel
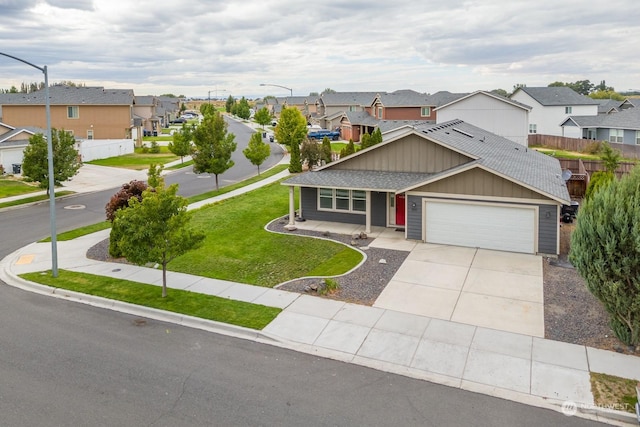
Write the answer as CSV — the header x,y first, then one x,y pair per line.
x,y
496,227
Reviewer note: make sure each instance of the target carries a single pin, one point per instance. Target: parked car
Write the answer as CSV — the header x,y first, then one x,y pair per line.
x,y
178,120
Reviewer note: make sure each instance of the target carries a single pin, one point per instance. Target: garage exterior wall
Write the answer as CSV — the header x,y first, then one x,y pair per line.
x,y
547,224
411,154
309,202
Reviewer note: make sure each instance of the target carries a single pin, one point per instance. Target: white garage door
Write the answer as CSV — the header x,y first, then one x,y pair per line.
x,y
498,227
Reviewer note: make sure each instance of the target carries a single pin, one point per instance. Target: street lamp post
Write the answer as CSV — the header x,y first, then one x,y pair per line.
x,y
52,195
283,87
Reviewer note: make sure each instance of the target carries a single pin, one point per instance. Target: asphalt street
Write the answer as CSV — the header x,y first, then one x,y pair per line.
x,y
68,364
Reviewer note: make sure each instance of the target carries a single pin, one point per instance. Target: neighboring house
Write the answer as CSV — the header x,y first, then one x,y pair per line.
x,y
331,106
621,128
86,112
169,109
608,106
354,125
12,144
450,183
306,104
497,114
550,106
402,105
145,108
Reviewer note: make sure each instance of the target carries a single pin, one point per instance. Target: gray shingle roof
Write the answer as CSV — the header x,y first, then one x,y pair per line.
x,y
404,98
348,98
625,119
363,180
506,158
71,95
556,96
444,97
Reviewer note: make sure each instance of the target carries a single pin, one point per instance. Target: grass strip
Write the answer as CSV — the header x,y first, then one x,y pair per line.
x,y
240,313
33,199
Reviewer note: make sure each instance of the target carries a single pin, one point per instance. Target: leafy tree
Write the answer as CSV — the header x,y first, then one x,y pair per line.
x,y
350,148
326,150
556,84
328,90
583,87
291,131
605,249
606,94
154,175
598,180
242,109
213,146
156,229
376,137
313,93
310,153
35,164
257,150
120,200
365,141
610,157
602,87
181,144
518,86
207,109
262,117
500,92
228,105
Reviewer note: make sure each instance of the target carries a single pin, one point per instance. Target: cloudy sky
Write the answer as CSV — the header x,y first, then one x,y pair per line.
x,y
201,48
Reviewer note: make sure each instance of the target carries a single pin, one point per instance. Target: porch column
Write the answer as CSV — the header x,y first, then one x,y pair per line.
x,y
292,209
367,225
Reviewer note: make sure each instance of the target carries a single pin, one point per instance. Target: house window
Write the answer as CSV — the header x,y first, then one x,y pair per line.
x,y
380,112
638,137
425,111
73,112
615,135
353,108
568,110
90,134
342,200
533,128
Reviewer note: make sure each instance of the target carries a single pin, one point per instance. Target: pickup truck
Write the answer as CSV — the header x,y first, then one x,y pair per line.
x,y
321,133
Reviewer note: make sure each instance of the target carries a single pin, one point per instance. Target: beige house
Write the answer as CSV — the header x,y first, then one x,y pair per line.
x,y
86,112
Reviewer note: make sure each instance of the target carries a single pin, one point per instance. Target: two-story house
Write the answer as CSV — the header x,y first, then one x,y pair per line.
x,y
619,128
550,107
331,106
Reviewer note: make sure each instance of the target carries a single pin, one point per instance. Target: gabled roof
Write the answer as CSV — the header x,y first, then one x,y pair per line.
x,y
489,94
493,153
556,96
6,139
348,98
625,119
71,95
365,119
145,100
403,98
444,97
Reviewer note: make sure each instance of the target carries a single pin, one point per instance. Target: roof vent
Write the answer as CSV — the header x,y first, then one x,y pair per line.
x,y
463,132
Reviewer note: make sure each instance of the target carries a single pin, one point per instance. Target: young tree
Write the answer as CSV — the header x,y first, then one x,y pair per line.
x,y
213,146
610,157
350,148
598,180
120,200
376,137
365,141
326,150
156,229
228,105
310,153
257,151
181,144
262,117
206,109
606,253
242,109
35,164
291,131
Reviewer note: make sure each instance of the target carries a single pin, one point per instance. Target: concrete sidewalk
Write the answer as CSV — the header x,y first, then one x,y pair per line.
x,y
517,367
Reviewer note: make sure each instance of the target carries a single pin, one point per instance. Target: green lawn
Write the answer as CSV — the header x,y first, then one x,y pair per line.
x,y
563,154
238,248
138,160
33,199
209,307
10,186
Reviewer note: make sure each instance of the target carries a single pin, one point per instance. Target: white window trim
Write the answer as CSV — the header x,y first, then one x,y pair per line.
x,y
533,128
379,113
616,136
638,137
333,202
76,110
422,111
568,110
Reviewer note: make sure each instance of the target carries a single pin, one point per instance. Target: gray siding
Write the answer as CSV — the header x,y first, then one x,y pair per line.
x,y
310,209
548,229
414,218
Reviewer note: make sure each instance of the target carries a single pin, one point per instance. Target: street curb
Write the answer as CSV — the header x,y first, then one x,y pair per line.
x,y
136,310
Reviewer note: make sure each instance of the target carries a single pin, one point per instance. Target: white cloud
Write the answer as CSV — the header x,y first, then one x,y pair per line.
x,y
193,47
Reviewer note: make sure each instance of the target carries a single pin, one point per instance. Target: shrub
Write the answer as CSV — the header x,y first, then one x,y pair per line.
x,y
330,286
155,148
598,180
593,147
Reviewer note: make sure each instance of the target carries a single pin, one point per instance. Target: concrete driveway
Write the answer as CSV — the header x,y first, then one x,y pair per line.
x,y
492,289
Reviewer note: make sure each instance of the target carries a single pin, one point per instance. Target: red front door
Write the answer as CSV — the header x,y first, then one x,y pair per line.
x,y
400,209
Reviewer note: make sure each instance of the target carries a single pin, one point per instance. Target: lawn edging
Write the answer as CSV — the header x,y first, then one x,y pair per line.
x,y
364,255
137,310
